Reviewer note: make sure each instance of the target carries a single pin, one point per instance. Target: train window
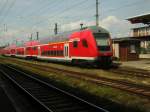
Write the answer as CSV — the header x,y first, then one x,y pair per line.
x,y
49,52
52,53
55,53
102,39
58,54
75,44
62,53
28,48
43,52
34,48
84,43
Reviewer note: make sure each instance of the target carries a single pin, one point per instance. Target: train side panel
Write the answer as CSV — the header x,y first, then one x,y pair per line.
x,y
83,46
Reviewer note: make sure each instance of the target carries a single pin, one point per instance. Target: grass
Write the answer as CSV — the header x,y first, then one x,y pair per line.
x,y
114,98
98,72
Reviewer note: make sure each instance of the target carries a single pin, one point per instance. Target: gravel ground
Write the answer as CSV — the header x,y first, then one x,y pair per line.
x,y
5,103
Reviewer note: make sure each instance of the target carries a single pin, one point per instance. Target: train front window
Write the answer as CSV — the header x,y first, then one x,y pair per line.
x,y
102,40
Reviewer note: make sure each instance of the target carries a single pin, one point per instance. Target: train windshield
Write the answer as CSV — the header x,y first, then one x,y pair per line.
x,y
102,40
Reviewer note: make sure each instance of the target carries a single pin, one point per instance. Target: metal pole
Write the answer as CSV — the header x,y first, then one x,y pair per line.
x,y
31,37
16,42
56,29
97,15
81,25
4,27
37,34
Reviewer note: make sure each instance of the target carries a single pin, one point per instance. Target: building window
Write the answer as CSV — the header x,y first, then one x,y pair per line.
x,y
75,44
132,49
84,43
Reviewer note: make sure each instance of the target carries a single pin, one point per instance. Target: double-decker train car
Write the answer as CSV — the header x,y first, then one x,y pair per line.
x,y
6,51
30,49
12,50
87,45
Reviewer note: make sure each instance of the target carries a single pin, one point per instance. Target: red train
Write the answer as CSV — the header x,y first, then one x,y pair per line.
x,y
89,45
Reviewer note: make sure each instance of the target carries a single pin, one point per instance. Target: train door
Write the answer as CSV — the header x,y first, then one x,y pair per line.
x,y
66,51
24,51
39,50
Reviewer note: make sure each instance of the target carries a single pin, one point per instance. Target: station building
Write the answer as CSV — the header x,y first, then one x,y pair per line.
x,y
126,49
138,44
142,33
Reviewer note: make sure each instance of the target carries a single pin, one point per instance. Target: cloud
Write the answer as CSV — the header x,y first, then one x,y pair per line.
x,y
116,26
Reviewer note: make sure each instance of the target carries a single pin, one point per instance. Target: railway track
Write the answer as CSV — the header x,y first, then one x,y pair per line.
x,y
52,99
125,86
131,72
139,90
121,71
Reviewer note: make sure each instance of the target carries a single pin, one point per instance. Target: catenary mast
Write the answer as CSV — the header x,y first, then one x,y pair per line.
x,y
97,15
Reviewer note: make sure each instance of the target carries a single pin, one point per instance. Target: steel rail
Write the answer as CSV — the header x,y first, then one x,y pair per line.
x,y
23,74
140,90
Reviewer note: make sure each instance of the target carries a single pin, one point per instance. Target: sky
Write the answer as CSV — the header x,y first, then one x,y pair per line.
x,y
21,18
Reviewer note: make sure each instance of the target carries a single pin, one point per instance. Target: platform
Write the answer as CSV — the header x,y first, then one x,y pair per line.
x,y
140,64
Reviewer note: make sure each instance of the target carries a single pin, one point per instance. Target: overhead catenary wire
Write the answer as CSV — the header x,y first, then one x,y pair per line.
x,y
41,9
2,9
7,11
63,11
27,17
57,12
57,15
64,14
29,7
123,6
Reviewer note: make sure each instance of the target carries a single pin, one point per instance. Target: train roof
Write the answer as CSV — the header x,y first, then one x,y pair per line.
x,y
59,37
65,35
31,43
97,29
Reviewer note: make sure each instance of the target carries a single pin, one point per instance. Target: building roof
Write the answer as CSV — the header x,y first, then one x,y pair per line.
x,y
145,19
123,39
